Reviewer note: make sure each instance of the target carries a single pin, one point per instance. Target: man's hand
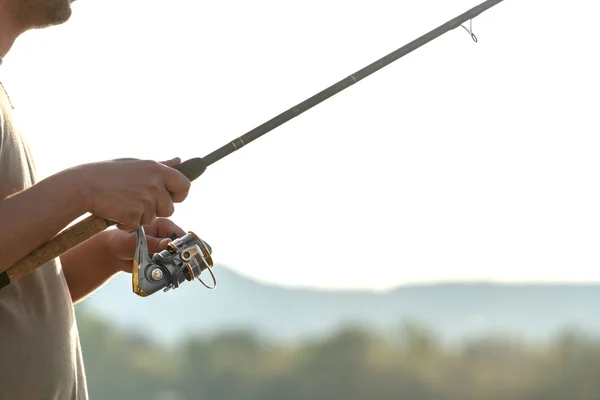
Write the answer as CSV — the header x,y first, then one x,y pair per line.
x,y
131,192
89,265
121,245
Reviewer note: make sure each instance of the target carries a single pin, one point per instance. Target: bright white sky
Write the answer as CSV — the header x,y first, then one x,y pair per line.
x,y
460,161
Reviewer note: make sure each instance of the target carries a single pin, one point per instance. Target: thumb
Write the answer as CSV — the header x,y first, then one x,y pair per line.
x,y
172,162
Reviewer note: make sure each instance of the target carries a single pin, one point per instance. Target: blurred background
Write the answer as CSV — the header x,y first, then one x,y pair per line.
x,y
247,340
430,233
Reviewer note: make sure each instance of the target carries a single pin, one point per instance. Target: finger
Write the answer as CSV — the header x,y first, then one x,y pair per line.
x,y
164,205
163,243
174,231
148,217
179,197
172,162
129,221
155,244
177,184
127,227
173,228
165,228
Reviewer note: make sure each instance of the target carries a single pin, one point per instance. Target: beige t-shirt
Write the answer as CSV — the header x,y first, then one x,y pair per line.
x,y
40,354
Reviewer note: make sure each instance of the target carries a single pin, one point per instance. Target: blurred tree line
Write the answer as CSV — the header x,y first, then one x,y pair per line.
x,y
350,364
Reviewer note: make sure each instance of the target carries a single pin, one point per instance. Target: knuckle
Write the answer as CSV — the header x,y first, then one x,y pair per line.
x,y
152,189
151,163
147,219
167,211
150,167
130,217
179,197
147,201
170,209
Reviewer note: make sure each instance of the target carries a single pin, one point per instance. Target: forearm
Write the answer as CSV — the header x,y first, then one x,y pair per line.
x,y
88,266
33,216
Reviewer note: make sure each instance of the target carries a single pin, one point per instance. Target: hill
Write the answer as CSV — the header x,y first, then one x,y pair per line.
x,y
453,310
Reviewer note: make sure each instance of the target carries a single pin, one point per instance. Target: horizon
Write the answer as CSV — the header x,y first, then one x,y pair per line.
x,y
409,285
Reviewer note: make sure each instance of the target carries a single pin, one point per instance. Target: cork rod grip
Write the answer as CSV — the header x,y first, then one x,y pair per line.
x,y
62,242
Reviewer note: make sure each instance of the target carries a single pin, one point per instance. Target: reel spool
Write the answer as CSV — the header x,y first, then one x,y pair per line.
x,y
184,259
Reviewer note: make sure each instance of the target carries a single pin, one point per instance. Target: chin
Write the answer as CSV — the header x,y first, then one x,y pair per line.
x,y
59,15
56,12
52,17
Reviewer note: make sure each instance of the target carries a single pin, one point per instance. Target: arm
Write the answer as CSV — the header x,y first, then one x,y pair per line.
x,y
33,216
91,264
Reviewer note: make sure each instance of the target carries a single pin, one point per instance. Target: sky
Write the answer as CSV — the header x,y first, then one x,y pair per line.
x,y
461,161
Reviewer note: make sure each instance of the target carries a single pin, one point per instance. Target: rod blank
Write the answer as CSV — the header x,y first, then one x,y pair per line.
x,y
344,83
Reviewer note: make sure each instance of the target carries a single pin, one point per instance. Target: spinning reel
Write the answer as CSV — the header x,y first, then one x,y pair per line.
x,y
184,259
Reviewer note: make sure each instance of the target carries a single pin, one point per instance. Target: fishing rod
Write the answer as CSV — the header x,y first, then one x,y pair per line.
x,y
187,257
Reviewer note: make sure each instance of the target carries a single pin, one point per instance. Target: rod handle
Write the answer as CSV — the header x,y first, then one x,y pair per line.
x,y
57,245
192,168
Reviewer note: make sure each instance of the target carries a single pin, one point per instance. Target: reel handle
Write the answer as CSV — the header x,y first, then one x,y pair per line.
x,y
79,233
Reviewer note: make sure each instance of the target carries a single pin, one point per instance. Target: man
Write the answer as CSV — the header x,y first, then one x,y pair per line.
x,y
40,355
